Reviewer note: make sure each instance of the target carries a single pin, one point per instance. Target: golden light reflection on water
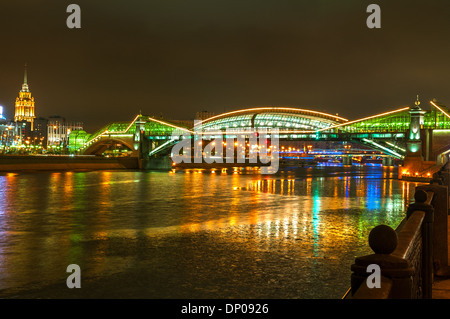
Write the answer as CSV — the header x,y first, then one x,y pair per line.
x,y
70,210
315,212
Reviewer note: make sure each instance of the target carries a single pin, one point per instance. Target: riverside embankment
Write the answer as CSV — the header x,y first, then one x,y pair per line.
x,y
64,162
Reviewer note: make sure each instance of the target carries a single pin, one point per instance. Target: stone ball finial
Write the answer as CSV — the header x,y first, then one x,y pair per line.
x,y
383,239
420,196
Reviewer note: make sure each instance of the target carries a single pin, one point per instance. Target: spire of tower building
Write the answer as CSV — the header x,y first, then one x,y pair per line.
x,y
25,81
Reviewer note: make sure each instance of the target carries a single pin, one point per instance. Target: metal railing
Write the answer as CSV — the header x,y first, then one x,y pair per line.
x,y
412,254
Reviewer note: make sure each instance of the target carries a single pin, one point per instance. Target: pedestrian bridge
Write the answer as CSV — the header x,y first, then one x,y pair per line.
x,y
387,132
287,120
126,135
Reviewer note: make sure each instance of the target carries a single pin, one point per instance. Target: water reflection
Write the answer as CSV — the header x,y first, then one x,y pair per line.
x,y
327,204
115,222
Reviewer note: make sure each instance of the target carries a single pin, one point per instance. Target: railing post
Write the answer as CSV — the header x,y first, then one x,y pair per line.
x,y
440,205
427,257
420,204
383,241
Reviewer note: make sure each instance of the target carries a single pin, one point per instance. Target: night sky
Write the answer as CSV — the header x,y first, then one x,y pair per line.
x,y
177,57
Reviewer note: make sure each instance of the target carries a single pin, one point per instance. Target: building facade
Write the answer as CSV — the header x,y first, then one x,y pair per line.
x,y
10,135
25,104
58,130
39,134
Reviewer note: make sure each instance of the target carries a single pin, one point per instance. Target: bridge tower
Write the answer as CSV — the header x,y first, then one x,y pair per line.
x,y
414,141
139,132
414,162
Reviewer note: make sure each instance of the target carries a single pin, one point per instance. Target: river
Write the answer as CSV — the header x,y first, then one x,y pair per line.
x,y
192,234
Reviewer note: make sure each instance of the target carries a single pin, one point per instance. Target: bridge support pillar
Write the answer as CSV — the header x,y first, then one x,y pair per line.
x,y
163,163
388,161
143,149
347,160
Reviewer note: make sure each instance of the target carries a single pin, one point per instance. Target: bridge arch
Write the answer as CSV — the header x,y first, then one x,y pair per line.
x,y
105,143
286,119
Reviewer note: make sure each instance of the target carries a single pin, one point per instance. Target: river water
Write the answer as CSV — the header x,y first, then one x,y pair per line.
x,y
192,234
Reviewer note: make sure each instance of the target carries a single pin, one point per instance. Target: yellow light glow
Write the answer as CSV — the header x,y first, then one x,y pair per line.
x,y
137,116
366,118
247,132
168,124
135,119
434,104
335,117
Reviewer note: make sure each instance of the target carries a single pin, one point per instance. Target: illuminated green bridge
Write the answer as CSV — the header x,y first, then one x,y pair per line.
x,y
389,132
126,135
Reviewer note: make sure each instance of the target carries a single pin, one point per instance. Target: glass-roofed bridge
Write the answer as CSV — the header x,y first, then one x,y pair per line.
x,y
388,132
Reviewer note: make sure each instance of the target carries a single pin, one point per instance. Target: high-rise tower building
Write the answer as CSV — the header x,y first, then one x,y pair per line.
x,y
1,113
24,107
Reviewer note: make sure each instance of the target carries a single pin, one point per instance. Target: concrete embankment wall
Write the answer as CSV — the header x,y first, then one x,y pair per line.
x,y
21,163
162,163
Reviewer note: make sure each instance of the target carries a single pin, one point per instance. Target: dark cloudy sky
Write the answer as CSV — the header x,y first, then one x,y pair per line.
x,y
176,57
